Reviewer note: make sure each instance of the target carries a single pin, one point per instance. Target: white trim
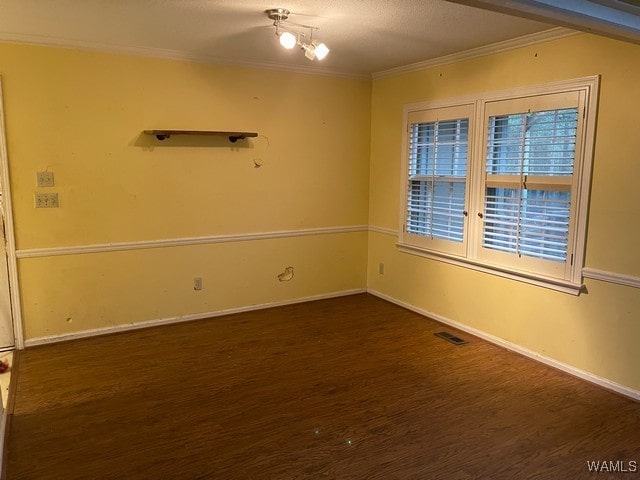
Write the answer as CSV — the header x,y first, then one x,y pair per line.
x,y
611,277
525,277
180,55
178,242
585,175
383,230
504,46
3,433
12,264
589,82
576,372
32,342
532,271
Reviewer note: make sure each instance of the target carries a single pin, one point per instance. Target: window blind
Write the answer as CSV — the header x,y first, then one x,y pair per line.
x,y
529,169
437,179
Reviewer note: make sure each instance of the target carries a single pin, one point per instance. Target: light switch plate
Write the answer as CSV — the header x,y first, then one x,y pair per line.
x,y
44,179
46,200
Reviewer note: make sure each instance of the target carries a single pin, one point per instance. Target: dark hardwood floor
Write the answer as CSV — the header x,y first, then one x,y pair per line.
x,y
348,388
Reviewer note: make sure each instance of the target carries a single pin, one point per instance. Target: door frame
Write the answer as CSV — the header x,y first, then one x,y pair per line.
x,y
9,233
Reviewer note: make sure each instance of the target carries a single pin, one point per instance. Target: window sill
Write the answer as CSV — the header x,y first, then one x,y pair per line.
x,y
525,277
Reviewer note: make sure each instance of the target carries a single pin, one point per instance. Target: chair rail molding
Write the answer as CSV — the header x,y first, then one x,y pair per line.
x,y
183,241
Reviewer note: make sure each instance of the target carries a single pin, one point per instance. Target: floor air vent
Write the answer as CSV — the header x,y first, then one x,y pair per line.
x,y
451,338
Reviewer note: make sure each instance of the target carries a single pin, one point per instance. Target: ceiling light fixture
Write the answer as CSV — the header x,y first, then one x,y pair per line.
x,y
290,38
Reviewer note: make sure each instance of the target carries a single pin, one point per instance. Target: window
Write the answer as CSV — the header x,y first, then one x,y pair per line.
x,y
437,177
510,196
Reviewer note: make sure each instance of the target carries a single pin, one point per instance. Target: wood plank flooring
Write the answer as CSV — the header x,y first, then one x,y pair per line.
x,y
347,388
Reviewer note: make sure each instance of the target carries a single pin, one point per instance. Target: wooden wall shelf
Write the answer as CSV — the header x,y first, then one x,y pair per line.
x,y
233,136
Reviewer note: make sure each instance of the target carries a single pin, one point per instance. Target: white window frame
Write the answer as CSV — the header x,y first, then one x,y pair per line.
x,y
566,277
466,111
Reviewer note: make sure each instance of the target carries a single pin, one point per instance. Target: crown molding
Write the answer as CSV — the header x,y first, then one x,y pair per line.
x,y
180,55
504,46
166,54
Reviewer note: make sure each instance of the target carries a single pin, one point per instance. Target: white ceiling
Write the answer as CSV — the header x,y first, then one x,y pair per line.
x,y
365,36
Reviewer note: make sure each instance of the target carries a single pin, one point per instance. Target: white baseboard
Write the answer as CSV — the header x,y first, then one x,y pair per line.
x,y
589,377
3,433
32,342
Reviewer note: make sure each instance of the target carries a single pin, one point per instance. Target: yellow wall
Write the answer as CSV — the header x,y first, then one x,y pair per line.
x,y
330,152
98,290
597,331
81,114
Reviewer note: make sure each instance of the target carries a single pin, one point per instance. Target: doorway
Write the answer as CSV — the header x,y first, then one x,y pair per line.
x,y
6,318
10,319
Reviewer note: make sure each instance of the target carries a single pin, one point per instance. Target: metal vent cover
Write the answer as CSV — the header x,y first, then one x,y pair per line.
x,y
451,338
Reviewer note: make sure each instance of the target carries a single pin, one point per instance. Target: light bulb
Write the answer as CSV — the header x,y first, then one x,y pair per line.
x,y
288,40
321,51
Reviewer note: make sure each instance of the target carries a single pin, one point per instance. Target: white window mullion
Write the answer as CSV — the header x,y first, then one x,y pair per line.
x,y
433,173
523,180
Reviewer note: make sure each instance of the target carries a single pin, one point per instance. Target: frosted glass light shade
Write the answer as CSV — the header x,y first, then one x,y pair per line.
x,y
288,40
321,51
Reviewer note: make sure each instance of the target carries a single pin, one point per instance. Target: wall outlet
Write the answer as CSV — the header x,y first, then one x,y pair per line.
x,y
197,283
46,200
44,179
